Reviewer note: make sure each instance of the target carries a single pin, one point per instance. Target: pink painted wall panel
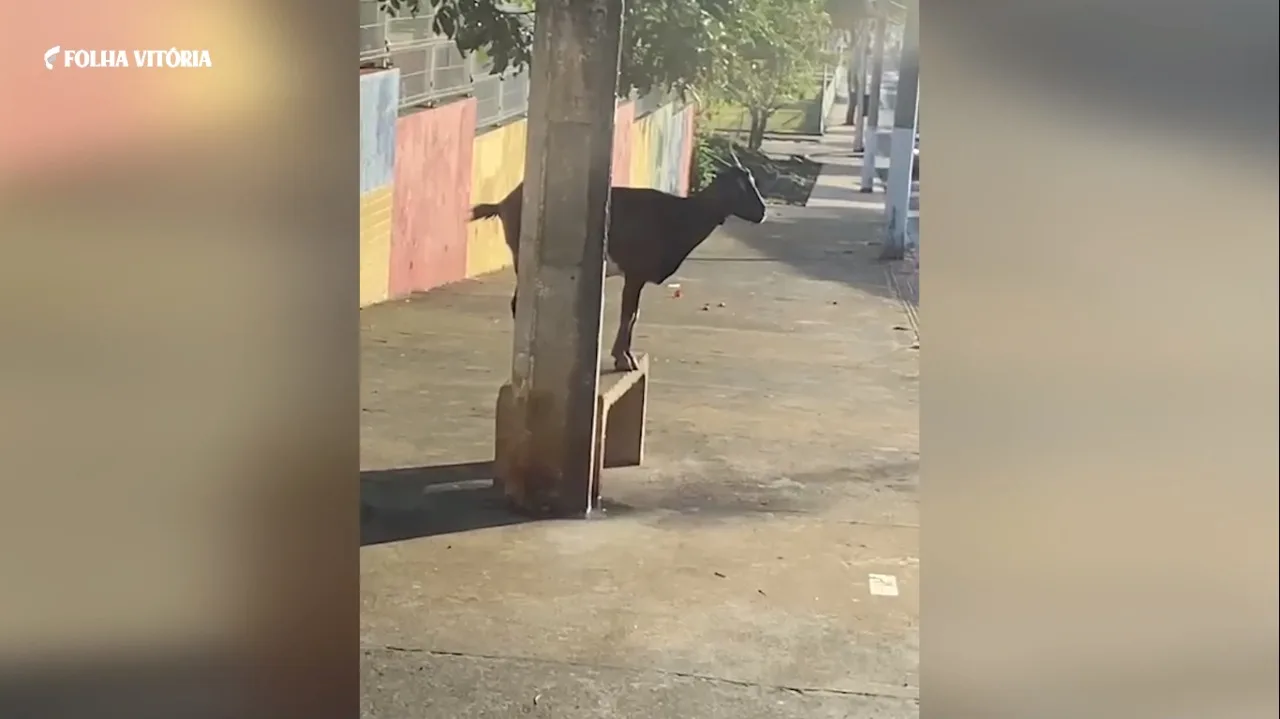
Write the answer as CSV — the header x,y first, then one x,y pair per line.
x,y
432,197
623,118
686,157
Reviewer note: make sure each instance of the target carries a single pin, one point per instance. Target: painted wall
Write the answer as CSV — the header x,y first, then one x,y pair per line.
x,y
659,141
662,149
623,120
434,152
675,150
379,97
497,167
642,131
686,158
421,173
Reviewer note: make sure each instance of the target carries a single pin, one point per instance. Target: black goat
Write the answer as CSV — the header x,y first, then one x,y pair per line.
x,y
650,234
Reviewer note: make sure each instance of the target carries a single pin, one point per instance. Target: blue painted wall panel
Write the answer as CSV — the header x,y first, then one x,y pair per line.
x,y
379,98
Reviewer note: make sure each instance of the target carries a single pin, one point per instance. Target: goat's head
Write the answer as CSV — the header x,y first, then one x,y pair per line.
x,y
734,189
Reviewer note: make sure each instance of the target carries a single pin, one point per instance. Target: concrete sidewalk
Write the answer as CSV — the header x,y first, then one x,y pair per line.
x,y
731,575
838,186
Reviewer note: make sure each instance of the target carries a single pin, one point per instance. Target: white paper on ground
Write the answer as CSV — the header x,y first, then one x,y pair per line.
x,y
883,585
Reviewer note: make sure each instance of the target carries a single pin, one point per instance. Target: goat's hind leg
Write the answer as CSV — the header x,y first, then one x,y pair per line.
x,y
623,359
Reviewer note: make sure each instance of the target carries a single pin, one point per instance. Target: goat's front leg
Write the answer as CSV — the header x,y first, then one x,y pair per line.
x,y
513,305
623,360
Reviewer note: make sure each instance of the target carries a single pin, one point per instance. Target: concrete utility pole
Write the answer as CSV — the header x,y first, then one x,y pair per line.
x,y
873,110
902,149
556,360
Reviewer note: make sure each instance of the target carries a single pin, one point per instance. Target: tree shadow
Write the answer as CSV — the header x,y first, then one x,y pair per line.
x,y
414,502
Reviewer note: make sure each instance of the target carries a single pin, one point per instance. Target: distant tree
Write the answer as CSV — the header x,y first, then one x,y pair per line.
x,y
777,47
854,17
673,43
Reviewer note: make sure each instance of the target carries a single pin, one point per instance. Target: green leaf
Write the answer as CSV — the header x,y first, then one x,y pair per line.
x,y
758,52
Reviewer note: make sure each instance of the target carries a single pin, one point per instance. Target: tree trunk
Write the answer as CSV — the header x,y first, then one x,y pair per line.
x,y
860,111
759,118
854,108
856,74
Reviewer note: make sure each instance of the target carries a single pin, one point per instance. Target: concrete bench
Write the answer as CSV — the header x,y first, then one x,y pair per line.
x,y
622,401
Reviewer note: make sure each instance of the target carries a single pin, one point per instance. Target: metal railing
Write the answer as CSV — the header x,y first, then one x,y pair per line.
x,y
652,101
433,70
501,99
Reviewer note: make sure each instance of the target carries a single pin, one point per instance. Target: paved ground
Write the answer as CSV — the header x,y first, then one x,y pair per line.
x,y
730,577
839,185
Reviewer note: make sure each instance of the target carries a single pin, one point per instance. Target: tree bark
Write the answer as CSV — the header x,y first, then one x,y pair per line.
x,y
759,119
860,102
854,109
857,74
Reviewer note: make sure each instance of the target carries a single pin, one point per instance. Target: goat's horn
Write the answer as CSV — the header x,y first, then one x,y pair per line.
x,y
734,155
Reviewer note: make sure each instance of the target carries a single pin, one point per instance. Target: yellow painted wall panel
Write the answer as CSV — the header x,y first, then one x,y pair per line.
x,y
641,132
497,166
375,245
375,212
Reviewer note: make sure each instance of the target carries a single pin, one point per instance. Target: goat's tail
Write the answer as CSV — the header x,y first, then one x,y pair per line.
x,y
485,211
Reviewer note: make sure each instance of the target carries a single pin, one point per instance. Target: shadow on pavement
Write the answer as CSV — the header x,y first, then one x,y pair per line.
x,y
413,502
823,245
842,170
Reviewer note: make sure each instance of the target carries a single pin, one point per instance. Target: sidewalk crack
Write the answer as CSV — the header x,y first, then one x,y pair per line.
x,y
871,692
907,288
